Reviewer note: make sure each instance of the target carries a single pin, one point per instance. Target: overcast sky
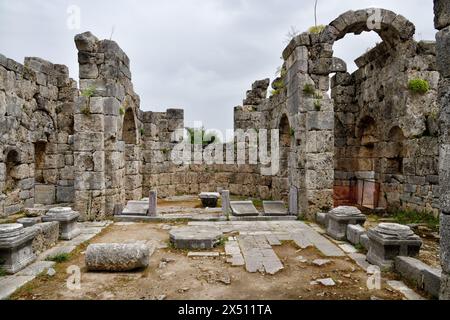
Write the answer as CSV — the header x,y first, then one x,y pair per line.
x,y
200,55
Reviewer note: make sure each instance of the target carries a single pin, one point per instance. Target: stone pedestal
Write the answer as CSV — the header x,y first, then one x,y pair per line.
x,y
16,247
209,199
29,222
67,219
226,202
340,217
390,240
152,204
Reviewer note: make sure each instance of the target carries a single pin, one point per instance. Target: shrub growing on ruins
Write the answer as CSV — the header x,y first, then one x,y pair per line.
x,y
2,272
316,29
59,258
141,130
309,89
122,111
88,92
278,86
317,105
420,86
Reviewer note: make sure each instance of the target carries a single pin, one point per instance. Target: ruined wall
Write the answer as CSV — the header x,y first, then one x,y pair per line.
x,y
442,23
170,179
386,135
36,127
107,148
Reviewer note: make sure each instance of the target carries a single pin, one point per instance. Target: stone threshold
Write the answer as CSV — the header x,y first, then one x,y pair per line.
x,y
131,218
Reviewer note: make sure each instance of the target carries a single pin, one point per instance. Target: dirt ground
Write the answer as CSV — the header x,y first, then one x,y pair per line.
x,y
172,275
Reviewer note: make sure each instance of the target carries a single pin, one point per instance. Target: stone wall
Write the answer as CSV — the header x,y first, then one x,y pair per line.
x,y
442,23
36,128
386,135
107,130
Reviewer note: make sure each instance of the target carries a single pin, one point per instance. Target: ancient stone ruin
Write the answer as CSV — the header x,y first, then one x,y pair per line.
x,y
86,151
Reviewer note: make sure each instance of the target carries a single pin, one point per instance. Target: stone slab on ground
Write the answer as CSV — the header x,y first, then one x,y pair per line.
x,y
324,245
195,237
9,284
275,208
203,254
136,208
416,271
405,290
233,250
361,260
243,208
258,255
36,268
354,232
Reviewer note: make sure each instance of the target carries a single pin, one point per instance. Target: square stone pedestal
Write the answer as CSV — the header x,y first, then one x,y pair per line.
x,y
67,219
209,199
340,217
390,240
16,250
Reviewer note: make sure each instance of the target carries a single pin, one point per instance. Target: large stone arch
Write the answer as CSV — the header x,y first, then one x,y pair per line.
x,y
309,62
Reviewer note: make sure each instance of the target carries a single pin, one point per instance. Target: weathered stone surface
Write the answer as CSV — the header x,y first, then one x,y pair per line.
x,y
117,257
153,204
47,235
226,205
354,233
275,208
340,217
243,208
67,219
195,237
209,199
29,222
388,240
15,247
441,14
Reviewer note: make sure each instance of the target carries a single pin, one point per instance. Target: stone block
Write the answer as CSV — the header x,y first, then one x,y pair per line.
x,y
117,257
340,217
15,247
195,237
443,52
226,205
67,219
354,233
441,14
365,241
243,208
47,235
44,194
322,219
445,242
432,281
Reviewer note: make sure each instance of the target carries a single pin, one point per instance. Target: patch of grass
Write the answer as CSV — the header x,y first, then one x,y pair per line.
x,y
141,130
86,110
317,105
416,217
309,89
257,203
419,86
59,258
89,92
221,242
316,29
2,272
360,247
122,111
292,132
278,87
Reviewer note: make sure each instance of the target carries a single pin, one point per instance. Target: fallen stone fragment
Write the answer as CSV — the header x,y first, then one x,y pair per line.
x,y
321,262
203,254
116,257
51,272
301,259
327,282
